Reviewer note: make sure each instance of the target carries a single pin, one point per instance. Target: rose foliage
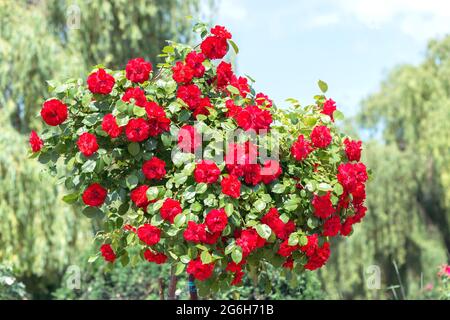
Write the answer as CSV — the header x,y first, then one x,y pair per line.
x,y
188,164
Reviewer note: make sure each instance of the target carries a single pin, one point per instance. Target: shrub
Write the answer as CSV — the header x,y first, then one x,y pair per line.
x,y
191,167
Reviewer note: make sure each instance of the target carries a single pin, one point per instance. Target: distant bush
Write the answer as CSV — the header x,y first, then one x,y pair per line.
x,y
10,287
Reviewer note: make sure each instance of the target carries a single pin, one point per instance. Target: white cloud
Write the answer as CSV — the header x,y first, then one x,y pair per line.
x,y
232,10
420,19
323,20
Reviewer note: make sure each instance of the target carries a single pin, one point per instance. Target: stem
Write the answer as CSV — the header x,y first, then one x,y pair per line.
x,y
192,288
172,284
161,288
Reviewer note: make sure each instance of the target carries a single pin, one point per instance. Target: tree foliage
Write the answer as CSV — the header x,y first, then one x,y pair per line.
x,y
36,45
408,199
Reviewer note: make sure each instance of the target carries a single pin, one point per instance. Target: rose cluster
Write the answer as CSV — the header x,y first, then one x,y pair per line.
x,y
130,141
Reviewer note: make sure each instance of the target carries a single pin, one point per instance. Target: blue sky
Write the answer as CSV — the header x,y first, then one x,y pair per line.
x,y
287,45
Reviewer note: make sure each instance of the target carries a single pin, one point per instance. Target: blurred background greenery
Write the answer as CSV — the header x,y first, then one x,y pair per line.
x,y
404,125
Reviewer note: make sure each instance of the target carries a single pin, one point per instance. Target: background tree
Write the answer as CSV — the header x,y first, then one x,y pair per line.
x,y
409,198
39,234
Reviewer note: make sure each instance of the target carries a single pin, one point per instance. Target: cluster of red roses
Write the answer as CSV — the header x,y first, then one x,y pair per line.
x,y
241,161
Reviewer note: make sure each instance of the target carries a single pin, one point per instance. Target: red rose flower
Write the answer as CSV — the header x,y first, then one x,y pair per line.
x,y
154,168
189,140
323,208
242,85
157,120
270,171
254,118
231,186
239,156
36,143
138,70
202,108
156,257
199,270
137,130
347,227
129,227
94,195
263,100
195,61
139,196
233,109
249,240
206,171
195,232
350,175
109,125
108,253
252,174
359,194
321,137
170,209
54,112
224,75
237,278
182,73
319,258
329,107
332,226
190,94
214,47
282,230
87,143
100,82
149,234
137,94
301,148
310,247
353,149
216,220
235,267
285,249
289,263
221,32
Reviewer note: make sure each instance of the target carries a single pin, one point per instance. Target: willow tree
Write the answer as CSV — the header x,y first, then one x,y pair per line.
x,y
409,198
39,42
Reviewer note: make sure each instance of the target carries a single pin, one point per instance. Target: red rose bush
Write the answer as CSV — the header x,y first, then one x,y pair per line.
x,y
190,166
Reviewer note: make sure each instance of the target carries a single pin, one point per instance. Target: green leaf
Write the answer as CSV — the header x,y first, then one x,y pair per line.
x,y
132,181
324,187
152,193
93,258
259,205
338,115
166,139
338,189
93,212
303,241
236,255
293,239
201,188
70,198
139,111
323,86
278,188
206,258
88,166
179,220
235,47
179,267
233,89
263,230
229,208
229,248
134,148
